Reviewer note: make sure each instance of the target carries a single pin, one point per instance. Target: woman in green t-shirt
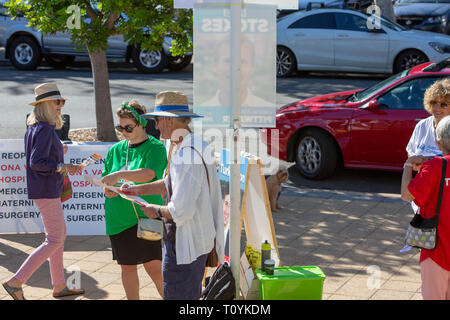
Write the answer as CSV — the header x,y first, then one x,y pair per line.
x,y
139,158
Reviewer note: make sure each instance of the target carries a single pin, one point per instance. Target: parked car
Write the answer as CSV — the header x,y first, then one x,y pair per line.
x,y
428,15
309,5
360,5
344,40
367,128
25,47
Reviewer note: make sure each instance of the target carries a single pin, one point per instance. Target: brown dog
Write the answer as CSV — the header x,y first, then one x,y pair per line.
x,y
274,187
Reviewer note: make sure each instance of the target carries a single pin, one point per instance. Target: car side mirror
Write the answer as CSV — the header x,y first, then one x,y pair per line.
x,y
375,30
373,105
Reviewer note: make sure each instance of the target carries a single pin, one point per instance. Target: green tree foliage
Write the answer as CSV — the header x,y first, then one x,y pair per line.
x,y
142,23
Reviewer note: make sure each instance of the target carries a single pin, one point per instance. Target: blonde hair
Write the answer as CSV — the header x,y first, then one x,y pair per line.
x,y
440,90
43,112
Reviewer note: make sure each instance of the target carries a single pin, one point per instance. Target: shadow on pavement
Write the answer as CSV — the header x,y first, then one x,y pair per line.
x,y
12,257
371,181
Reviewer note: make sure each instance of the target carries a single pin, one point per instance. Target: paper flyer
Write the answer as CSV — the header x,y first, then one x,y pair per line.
x,y
98,182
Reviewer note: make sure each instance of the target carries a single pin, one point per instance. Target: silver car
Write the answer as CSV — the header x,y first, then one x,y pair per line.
x,y
349,41
25,47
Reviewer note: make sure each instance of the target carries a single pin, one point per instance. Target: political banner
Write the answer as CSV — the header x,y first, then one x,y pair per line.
x,y
84,212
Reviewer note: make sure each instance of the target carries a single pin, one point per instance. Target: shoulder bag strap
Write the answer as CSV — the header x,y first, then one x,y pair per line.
x,y
204,164
441,189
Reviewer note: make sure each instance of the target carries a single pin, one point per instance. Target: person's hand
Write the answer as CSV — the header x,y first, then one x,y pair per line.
x,y
65,148
150,210
129,190
416,162
109,193
72,169
111,179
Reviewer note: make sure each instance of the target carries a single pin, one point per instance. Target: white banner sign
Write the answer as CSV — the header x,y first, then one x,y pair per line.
x,y
84,212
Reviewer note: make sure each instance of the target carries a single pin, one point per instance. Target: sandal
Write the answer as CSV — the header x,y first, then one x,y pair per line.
x,y
12,291
67,292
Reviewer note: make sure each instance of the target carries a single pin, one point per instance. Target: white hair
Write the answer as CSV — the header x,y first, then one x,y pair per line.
x,y
443,133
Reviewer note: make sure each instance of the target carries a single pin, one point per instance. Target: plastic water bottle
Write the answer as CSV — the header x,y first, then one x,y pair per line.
x,y
265,253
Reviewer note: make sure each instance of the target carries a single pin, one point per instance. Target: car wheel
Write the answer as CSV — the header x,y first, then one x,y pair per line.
x,y
59,62
149,61
24,53
286,64
179,63
409,59
316,154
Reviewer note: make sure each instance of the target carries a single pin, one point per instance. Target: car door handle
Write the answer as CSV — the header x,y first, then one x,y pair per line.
x,y
343,35
300,34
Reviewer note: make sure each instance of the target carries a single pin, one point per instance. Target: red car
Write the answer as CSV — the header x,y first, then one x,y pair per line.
x,y
364,128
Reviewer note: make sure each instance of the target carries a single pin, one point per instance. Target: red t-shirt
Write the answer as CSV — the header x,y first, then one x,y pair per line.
x,y
425,189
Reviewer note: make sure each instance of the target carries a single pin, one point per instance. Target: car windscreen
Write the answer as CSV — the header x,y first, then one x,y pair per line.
x,y
392,25
366,93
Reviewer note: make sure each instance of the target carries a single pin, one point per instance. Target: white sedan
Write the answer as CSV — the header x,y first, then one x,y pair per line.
x,y
350,41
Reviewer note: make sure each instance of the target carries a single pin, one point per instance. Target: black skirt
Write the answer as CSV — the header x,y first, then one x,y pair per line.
x,y
128,249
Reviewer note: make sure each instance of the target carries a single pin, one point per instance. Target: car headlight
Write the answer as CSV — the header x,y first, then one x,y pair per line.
x,y
435,19
440,47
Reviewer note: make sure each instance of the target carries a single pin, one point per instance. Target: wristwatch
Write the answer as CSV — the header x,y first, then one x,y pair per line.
x,y
59,167
158,213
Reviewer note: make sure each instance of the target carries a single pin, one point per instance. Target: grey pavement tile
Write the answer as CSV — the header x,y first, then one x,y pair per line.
x,y
344,297
99,257
356,289
392,295
332,284
77,255
88,266
416,296
397,285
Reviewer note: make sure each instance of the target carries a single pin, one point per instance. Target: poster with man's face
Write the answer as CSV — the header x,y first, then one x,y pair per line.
x,y
212,67
282,4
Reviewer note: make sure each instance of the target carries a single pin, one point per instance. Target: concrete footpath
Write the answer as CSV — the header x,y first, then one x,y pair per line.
x,y
353,237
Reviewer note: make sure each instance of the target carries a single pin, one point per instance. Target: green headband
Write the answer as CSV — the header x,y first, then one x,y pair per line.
x,y
136,115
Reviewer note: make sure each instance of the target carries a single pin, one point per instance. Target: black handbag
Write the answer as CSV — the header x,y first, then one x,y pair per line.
x,y
422,233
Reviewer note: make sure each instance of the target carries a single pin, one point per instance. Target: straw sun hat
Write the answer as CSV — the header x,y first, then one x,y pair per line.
x,y
46,92
171,104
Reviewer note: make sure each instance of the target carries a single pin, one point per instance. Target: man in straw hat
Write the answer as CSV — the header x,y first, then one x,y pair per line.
x,y
193,216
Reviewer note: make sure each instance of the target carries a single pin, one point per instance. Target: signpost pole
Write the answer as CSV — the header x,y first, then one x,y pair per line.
x,y
235,93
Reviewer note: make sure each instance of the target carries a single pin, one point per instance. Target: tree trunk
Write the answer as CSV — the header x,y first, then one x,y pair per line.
x,y
387,9
103,109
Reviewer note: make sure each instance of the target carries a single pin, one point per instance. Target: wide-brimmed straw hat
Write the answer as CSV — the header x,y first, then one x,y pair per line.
x,y
46,92
171,104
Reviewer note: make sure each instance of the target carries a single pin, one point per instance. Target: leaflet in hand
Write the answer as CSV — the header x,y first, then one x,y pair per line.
x,y
98,182
94,157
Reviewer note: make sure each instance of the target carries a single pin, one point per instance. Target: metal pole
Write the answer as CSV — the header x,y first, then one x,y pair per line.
x,y
235,94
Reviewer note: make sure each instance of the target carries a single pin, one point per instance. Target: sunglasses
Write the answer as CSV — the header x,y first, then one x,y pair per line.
x,y
443,105
127,128
59,101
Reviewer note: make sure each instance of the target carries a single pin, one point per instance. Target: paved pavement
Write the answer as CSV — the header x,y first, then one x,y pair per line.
x,y
353,237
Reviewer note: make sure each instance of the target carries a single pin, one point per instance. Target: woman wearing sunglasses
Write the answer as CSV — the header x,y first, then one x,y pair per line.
x,y
45,167
139,158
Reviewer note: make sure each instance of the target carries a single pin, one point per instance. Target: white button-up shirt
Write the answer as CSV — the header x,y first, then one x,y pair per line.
x,y
196,208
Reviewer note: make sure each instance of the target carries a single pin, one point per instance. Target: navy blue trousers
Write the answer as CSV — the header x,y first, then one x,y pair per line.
x,y
181,281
